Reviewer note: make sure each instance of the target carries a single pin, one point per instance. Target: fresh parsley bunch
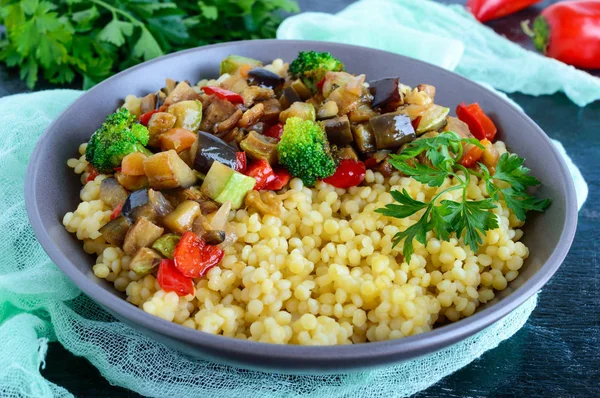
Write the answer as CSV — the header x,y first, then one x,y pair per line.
x,y
445,217
95,39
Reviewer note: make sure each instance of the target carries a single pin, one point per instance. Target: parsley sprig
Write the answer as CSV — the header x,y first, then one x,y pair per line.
x,y
96,38
466,218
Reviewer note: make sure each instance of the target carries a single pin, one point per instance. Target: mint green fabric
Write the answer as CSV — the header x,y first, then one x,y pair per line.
x,y
447,36
38,305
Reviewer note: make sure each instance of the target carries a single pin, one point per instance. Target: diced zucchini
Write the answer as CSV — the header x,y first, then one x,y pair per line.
x,y
165,245
223,184
328,110
300,88
433,118
188,114
181,219
233,62
302,110
144,261
258,146
166,170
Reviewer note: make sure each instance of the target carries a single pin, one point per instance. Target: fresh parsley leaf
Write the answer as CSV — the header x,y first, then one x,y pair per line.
x,y
472,217
467,219
147,47
116,32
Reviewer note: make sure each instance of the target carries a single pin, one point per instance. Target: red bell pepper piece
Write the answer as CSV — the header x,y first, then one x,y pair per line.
x,y
485,10
282,179
92,176
320,84
275,131
569,31
415,122
145,118
171,280
262,172
348,174
472,156
480,125
116,212
227,95
240,162
193,257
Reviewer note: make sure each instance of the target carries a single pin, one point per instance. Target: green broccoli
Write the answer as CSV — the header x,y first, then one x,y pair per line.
x,y
304,151
311,67
118,136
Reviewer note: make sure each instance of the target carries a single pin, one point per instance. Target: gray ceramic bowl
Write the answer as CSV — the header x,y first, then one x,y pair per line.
x,y
52,189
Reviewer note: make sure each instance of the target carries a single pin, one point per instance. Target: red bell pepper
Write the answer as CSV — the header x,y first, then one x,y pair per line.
x,y
415,122
145,118
282,179
170,279
262,172
227,95
349,173
480,125
570,32
92,176
472,156
240,162
117,211
320,84
193,257
485,10
275,131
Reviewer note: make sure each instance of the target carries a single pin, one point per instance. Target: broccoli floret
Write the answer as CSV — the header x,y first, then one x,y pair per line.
x,y
118,136
304,151
311,67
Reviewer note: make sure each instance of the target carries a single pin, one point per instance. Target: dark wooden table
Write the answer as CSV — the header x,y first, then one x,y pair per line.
x,y
557,353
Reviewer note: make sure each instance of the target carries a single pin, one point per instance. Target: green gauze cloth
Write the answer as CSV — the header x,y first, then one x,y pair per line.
x,y
39,304
447,36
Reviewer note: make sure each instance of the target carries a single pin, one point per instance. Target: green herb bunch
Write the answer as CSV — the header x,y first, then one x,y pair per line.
x,y
466,218
95,39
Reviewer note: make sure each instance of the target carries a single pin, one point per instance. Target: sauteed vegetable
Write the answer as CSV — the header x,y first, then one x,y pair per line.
x,y
299,203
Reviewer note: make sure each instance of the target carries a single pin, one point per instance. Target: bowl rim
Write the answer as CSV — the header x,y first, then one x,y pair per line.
x,y
380,352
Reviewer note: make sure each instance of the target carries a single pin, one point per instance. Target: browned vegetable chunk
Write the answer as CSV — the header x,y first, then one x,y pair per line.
x,y
166,170
363,113
346,152
338,130
228,123
272,108
288,97
145,261
363,137
181,92
328,110
217,111
256,93
427,89
265,202
258,146
131,183
252,115
299,87
458,126
386,94
112,193
159,123
181,219
142,234
148,103
115,230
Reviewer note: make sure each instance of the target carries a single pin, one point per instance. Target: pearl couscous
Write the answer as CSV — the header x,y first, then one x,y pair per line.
x,y
301,259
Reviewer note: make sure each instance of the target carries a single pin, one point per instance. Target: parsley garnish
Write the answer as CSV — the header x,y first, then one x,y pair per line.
x,y
97,38
466,218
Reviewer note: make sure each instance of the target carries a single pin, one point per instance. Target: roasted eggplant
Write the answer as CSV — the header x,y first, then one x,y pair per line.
x,y
391,130
141,234
386,94
364,138
265,78
211,148
112,193
338,130
166,170
115,230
